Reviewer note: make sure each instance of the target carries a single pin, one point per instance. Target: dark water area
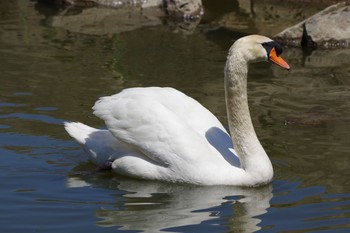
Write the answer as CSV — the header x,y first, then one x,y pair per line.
x,y
56,63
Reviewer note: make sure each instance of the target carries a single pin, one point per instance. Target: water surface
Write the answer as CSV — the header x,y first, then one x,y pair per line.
x,y
51,74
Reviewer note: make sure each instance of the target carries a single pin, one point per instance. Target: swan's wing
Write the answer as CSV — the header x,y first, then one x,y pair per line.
x,y
164,124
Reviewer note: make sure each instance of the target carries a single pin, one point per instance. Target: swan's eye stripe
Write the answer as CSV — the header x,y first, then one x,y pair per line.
x,y
271,44
268,46
278,49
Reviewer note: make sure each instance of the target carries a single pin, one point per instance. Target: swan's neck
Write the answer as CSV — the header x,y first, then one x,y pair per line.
x,y
254,159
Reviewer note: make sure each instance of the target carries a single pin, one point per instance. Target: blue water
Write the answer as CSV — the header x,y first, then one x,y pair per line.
x,y
51,75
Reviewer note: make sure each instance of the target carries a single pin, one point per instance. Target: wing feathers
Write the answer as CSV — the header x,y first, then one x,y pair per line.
x,y
162,123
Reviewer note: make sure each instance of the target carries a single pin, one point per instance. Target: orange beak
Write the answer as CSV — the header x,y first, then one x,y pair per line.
x,y
278,60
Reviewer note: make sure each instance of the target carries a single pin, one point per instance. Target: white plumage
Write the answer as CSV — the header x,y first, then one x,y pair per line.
x,y
162,134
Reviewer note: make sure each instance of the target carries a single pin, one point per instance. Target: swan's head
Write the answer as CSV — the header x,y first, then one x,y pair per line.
x,y
261,48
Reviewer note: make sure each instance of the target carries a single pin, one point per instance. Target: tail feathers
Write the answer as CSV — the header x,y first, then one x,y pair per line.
x,y
79,131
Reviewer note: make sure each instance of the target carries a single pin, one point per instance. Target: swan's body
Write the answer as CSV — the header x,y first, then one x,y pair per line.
x,y
162,134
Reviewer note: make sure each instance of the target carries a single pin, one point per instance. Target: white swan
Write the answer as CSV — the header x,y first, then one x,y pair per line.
x,y
162,134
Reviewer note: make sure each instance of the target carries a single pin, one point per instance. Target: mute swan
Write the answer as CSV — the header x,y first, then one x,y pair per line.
x,y
162,134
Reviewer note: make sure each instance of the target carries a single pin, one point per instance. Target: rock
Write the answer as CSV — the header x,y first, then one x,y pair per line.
x,y
267,17
111,16
106,21
326,29
186,9
183,9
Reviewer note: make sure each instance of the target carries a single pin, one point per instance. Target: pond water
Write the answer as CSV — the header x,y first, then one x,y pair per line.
x,y
53,71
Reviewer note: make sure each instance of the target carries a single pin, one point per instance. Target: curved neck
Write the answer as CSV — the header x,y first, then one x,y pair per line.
x,y
253,157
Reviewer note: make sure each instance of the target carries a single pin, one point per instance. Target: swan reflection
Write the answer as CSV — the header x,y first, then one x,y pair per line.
x,y
154,206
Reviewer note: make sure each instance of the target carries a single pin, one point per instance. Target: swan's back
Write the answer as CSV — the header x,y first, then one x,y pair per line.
x,y
167,126
138,102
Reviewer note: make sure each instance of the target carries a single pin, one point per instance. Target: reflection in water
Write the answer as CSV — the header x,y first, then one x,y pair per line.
x,y
154,206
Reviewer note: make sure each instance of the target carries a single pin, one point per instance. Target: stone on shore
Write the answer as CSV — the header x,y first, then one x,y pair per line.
x,y
326,29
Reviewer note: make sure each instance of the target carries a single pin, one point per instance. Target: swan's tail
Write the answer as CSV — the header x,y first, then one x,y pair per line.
x,y
79,131
100,145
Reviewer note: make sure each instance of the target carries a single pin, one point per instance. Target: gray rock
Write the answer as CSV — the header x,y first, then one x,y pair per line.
x,y
108,20
267,17
326,29
185,9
